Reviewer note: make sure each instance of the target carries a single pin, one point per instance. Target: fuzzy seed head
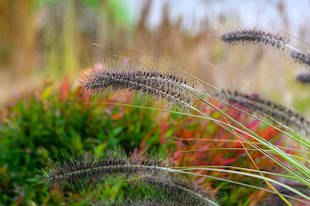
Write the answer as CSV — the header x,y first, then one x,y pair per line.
x,y
181,191
78,170
300,57
256,37
156,84
269,109
154,172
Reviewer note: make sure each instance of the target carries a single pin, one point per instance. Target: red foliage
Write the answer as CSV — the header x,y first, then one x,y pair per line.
x,y
199,142
64,88
220,148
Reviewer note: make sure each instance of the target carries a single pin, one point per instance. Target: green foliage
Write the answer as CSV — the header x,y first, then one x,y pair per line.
x,y
37,131
51,127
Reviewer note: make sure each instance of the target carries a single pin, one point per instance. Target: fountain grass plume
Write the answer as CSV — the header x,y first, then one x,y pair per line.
x,y
157,84
269,109
179,190
78,172
256,37
81,173
263,38
300,57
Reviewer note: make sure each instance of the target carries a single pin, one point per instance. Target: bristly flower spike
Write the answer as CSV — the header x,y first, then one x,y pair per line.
x,y
77,171
255,36
300,57
80,173
156,84
269,109
266,38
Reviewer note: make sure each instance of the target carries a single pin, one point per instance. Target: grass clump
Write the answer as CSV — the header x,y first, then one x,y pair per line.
x,y
42,129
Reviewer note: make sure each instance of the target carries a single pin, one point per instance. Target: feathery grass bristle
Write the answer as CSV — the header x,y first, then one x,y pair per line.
x,y
156,84
152,203
274,199
300,57
255,36
179,190
269,109
80,171
81,174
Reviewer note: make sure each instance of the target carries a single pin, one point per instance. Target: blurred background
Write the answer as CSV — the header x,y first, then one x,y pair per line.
x,y
46,44
48,40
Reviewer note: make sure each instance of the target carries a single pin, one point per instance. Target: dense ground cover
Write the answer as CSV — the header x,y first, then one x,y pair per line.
x,y
53,126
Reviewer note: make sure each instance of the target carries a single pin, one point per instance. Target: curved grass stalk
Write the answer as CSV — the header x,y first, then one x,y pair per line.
x,y
222,124
236,148
218,179
262,175
184,171
198,116
100,79
95,169
297,137
253,187
273,148
225,126
238,168
281,164
304,44
232,141
76,172
239,148
303,141
302,168
275,160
